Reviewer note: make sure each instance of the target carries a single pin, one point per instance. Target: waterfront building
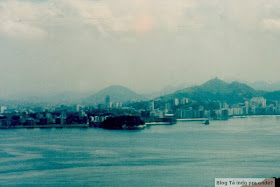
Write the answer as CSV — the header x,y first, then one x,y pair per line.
x,y
82,114
258,102
184,101
157,113
196,114
225,105
108,104
115,105
218,113
30,121
207,113
3,109
76,108
185,113
277,110
176,101
96,119
39,115
220,104
168,107
145,113
246,107
152,105
63,115
102,118
224,113
270,110
3,120
58,120
236,111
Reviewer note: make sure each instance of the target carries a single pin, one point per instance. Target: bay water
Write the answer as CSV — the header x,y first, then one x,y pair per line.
x,y
183,154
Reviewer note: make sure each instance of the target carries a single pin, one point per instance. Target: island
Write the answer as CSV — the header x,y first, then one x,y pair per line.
x,y
123,123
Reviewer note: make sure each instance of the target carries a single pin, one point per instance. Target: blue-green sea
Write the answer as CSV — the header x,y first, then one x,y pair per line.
x,y
184,154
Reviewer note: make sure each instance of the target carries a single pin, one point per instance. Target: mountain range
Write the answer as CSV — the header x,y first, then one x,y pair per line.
x,y
264,85
216,89
167,90
212,90
65,98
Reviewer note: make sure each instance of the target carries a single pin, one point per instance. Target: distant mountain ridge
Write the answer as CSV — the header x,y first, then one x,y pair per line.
x,y
117,94
167,90
212,90
216,89
64,98
266,86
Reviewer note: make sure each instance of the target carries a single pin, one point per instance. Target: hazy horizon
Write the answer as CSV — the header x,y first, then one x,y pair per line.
x,y
257,85
54,46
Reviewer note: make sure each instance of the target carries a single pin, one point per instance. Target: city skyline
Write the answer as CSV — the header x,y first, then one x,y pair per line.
x,y
52,46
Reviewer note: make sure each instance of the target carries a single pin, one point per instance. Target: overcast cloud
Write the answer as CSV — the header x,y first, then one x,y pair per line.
x,y
81,45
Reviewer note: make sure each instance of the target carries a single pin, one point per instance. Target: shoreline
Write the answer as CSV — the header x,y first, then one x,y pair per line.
x,y
59,126
46,126
255,116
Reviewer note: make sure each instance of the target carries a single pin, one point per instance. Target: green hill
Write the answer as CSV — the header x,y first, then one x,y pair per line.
x,y
116,93
218,90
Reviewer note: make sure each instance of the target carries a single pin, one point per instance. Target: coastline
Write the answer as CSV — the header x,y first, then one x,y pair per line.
x,y
146,124
256,116
46,126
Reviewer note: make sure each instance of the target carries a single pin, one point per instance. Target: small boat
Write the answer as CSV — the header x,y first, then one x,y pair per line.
x,y
206,122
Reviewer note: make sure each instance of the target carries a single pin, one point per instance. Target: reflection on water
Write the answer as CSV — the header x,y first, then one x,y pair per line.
x,y
187,153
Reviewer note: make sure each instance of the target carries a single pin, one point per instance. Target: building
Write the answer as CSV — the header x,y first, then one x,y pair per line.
x,y
3,109
258,102
168,107
82,114
152,105
107,102
185,113
246,107
184,101
76,108
145,113
116,105
157,113
176,101
225,105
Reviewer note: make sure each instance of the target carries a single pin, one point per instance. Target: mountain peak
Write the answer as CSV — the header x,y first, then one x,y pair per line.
x,y
235,85
117,93
218,90
215,81
214,85
116,87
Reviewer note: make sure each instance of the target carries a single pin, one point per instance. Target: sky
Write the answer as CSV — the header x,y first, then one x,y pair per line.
x,y
51,46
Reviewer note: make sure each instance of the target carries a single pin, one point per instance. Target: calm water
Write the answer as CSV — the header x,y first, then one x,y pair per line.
x,y
187,153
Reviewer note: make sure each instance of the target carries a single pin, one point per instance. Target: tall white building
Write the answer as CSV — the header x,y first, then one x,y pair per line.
x,y
258,102
184,101
152,105
176,101
3,109
76,108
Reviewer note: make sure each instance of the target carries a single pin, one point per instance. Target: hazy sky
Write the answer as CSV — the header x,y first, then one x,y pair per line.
x,y
80,45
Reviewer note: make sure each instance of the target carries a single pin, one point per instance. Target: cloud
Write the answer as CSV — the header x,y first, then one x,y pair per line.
x,y
36,19
18,29
20,20
272,24
66,43
26,18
